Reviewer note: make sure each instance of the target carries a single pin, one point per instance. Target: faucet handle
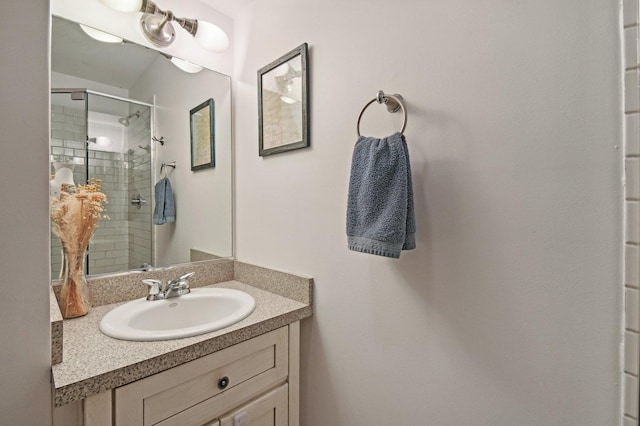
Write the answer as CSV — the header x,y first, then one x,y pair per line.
x,y
154,288
185,276
181,280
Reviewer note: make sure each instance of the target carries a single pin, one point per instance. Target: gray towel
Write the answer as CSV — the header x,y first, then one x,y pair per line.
x,y
164,210
380,213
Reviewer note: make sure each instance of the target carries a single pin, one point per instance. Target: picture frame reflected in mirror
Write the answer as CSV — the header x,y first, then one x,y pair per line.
x,y
202,125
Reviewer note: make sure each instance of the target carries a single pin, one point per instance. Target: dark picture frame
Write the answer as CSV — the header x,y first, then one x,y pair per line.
x,y
202,125
283,103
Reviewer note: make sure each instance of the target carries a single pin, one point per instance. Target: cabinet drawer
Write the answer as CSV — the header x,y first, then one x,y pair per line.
x,y
270,409
215,383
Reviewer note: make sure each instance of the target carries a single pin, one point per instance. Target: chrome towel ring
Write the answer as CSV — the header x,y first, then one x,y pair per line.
x,y
164,165
393,103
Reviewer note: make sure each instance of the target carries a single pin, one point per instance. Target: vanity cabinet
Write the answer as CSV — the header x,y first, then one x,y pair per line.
x,y
253,383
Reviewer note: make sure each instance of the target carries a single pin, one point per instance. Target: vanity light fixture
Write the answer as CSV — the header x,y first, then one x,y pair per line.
x,y
101,141
155,24
100,35
284,76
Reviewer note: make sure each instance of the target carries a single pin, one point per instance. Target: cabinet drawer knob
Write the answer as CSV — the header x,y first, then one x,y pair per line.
x,y
223,382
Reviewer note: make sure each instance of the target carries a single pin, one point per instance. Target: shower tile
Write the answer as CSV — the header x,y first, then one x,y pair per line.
x,y
59,134
632,231
113,255
632,265
631,352
632,134
105,262
76,145
632,178
102,246
631,309
57,125
631,395
631,93
58,117
95,255
630,12
74,112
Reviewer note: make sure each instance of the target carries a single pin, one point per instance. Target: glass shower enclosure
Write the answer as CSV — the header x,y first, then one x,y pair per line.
x,y
109,138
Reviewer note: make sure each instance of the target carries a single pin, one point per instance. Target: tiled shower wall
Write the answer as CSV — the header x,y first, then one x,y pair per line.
x,y
632,210
68,140
109,248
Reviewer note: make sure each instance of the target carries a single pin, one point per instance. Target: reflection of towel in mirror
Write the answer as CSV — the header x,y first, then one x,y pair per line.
x,y
380,214
164,210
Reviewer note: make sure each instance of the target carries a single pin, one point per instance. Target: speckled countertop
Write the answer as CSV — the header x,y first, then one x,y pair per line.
x,y
94,362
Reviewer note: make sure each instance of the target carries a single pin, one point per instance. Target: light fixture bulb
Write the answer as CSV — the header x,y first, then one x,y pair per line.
x,y
123,5
281,70
186,66
211,37
101,141
64,173
100,35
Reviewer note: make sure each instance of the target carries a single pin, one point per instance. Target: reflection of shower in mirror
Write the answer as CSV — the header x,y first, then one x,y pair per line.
x,y
125,120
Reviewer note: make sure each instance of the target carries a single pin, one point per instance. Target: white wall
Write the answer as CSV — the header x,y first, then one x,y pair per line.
x,y
24,230
202,198
509,310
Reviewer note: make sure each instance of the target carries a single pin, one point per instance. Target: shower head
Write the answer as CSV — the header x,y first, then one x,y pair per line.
x,y
125,120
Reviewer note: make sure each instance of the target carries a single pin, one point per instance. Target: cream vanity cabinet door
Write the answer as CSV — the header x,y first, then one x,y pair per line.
x,y
200,391
270,409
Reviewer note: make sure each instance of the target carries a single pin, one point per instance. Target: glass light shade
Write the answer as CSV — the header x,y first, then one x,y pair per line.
x,y
211,37
64,173
101,141
186,66
123,5
281,70
100,35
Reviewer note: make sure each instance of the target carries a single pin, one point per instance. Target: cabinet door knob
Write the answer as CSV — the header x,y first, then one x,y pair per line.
x,y
223,382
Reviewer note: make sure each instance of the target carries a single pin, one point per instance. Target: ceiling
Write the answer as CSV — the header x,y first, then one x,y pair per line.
x,y
228,7
75,53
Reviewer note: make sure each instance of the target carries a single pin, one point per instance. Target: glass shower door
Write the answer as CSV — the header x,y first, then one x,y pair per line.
x,y
119,154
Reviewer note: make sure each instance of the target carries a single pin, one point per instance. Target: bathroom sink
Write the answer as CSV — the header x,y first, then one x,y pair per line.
x,y
201,311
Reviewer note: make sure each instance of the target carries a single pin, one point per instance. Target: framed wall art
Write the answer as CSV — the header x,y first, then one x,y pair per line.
x,y
283,103
203,154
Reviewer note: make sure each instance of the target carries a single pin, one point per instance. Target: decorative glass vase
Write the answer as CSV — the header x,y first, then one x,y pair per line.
x,y
74,300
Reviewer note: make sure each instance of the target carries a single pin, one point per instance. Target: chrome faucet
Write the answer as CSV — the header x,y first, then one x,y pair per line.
x,y
173,288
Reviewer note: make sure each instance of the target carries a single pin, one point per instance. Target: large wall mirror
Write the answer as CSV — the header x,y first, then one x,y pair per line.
x,y
119,112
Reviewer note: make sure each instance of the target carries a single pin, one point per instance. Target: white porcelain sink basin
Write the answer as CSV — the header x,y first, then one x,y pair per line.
x,y
201,311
